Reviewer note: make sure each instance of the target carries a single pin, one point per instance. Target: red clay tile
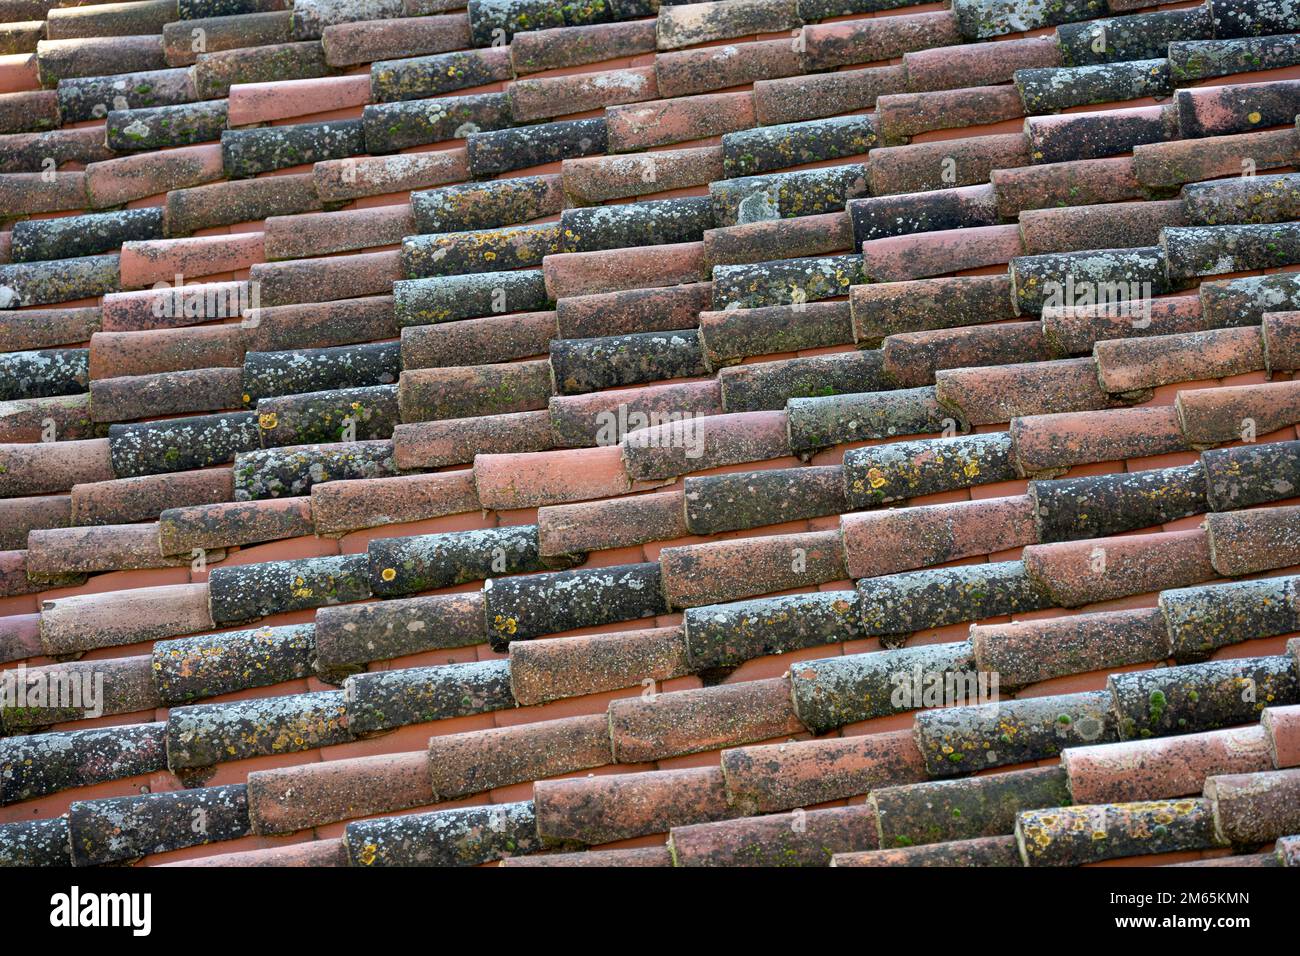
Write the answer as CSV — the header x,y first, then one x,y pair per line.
x,y
1047,445
775,777
899,258
602,809
1080,183
977,64
85,622
310,853
456,441
1126,365
593,179
122,500
644,126
1282,725
1087,572
901,539
1161,768
182,529
551,96
340,506
548,478
1244,542
253,103
570,274
481,760
547,670
116,354
719,571
904,115
159,260
307,795
52,466
1211,416
117,181
615,523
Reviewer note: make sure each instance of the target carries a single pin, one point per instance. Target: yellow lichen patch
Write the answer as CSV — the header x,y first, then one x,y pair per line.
x,y
267,420
388,574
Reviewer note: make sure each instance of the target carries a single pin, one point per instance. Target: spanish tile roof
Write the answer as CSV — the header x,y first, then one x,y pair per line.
x,y
637,433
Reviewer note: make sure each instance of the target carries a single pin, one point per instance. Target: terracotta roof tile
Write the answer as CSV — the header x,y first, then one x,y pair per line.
x,y
802,838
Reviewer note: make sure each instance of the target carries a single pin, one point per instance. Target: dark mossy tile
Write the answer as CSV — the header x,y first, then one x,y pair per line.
x,y
830,693
1098,506
919,600
506,150
208,734
1191,60
1247,199
653,223
821,422
393,126
785,281
486,205
247,152
1072,836
1236,302
40,764
62,280
944,810
724,635
1048,89
422,77
480,250
93,97
1202,619
1068,137
907,213
1204,696
769,385
716,503
44,373
1246,18
519,608
470,296
180,444
191,668
383,700
983,19
588,365
294,470
125,828
35,843
805,192
1215,250
69,237
159,127
28,152
767,148
249,591
468,836
1139,36
368,413
1048,280
961,740
215,73
317,370
355,634
429,561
